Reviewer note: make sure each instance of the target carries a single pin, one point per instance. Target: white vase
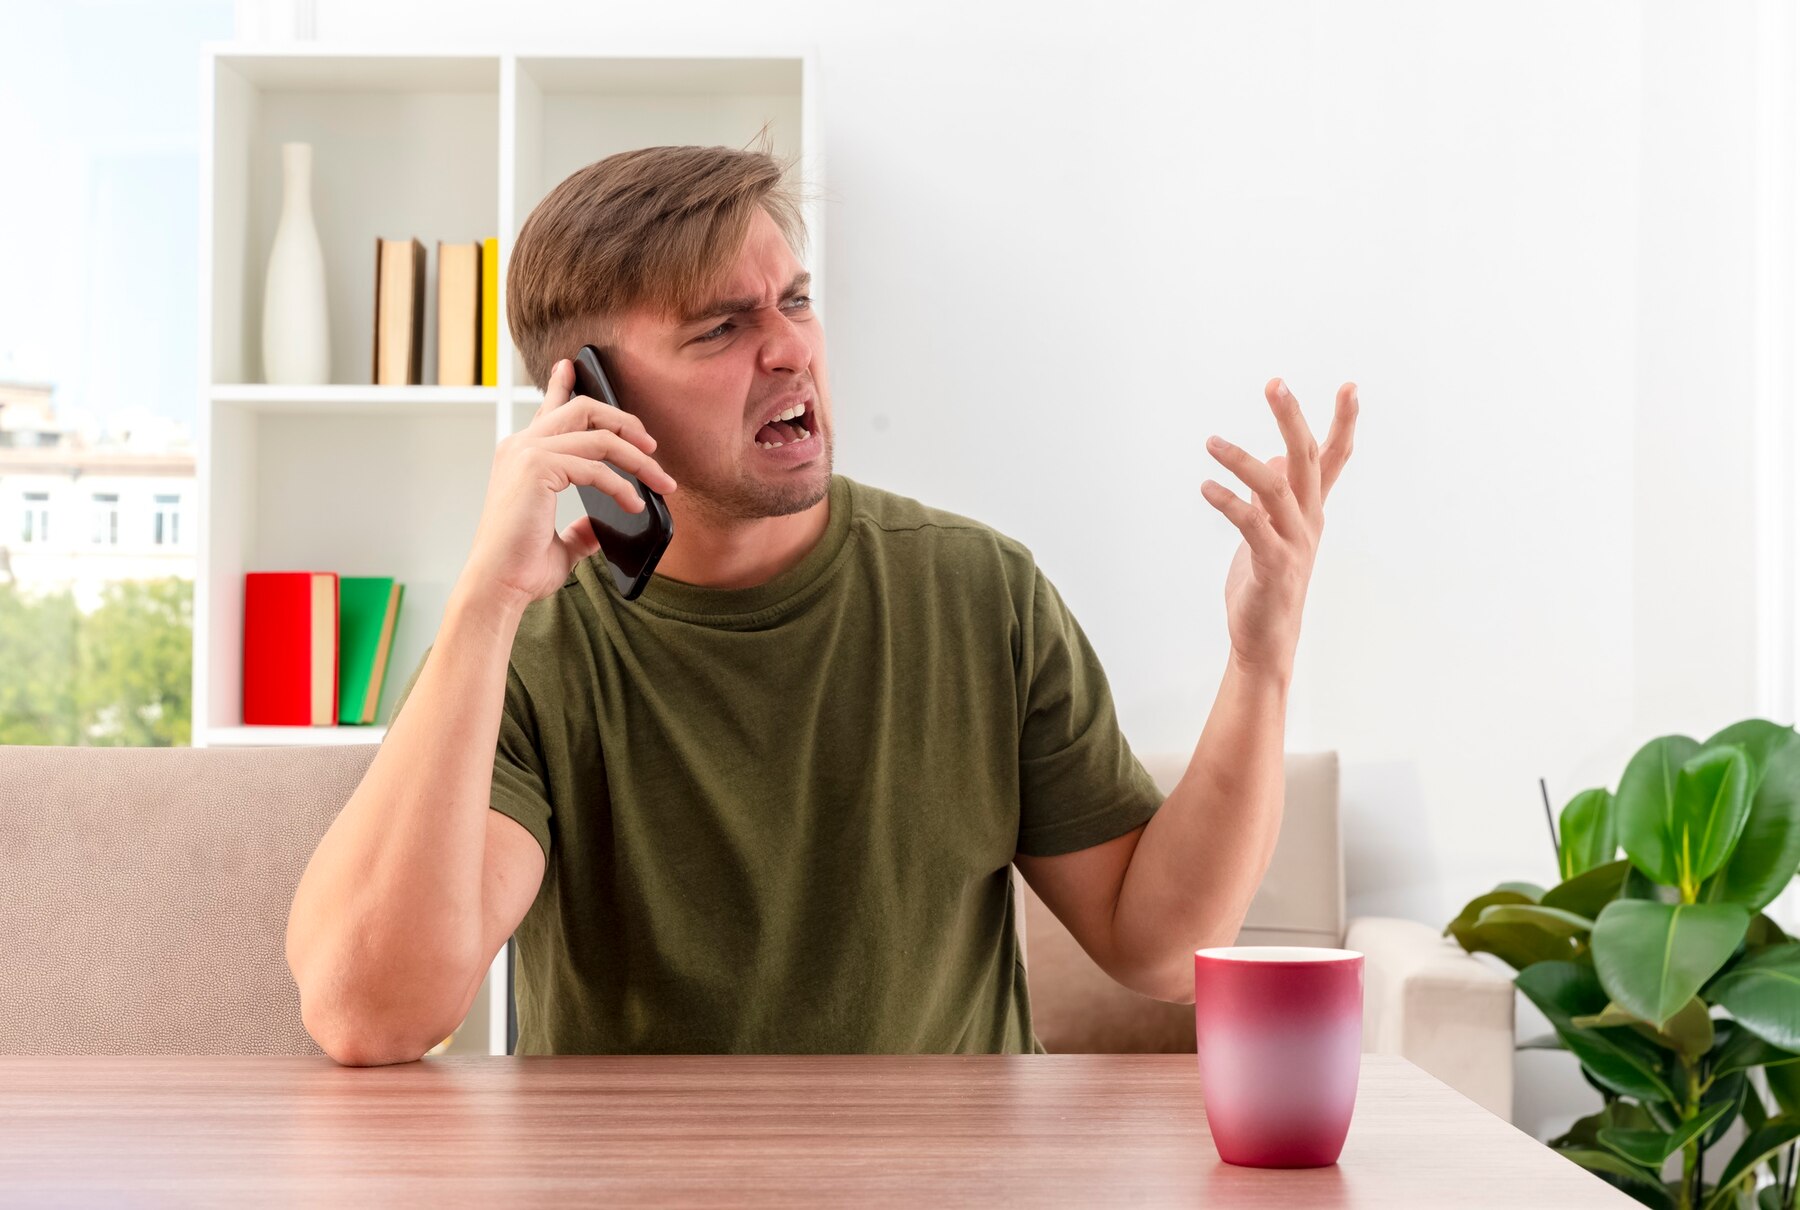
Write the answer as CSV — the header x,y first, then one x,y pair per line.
x,y
296,338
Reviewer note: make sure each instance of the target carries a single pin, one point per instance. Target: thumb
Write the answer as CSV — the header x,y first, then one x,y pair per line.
x,y
578,541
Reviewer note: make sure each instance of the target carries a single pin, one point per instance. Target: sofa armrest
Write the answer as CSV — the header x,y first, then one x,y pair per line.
x,y
1428,1000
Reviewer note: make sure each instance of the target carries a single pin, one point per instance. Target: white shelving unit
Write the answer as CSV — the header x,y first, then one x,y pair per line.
x,y
435,144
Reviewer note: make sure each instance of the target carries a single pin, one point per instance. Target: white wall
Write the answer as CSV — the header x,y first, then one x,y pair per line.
x,y
1069,241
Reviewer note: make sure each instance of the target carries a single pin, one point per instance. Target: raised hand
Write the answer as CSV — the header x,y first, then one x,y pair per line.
x,y
1265,588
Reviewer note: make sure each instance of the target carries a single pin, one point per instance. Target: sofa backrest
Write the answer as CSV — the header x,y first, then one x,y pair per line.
x,y
144,894
1077,1007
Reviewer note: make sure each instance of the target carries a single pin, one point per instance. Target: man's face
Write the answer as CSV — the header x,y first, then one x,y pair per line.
x,y
704,384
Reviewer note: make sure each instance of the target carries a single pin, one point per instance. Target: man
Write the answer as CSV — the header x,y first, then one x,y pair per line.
x,y
771,804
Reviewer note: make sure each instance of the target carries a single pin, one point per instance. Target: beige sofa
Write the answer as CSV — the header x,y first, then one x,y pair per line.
x,y
143,909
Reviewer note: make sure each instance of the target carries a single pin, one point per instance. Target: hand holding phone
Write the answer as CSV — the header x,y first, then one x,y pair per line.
x,y
573,440
632,541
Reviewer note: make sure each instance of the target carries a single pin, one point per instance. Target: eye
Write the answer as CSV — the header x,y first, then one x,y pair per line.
x,y
805,300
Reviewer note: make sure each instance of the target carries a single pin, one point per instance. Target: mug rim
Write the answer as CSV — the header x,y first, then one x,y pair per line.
x,y
1278,955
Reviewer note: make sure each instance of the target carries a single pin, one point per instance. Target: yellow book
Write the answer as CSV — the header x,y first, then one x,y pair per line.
x,y
490,312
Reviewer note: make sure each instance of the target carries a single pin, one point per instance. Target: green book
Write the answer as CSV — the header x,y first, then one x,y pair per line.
x,y
368,607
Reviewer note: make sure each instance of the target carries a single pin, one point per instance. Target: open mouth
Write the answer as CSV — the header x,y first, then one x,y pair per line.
x,y
787,427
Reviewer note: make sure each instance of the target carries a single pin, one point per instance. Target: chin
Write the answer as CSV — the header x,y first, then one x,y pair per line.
x,y
802,489
763,491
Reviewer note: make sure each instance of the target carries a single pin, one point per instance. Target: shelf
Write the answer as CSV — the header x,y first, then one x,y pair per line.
x,y
352,398
404,147
358,492
325,69
291,737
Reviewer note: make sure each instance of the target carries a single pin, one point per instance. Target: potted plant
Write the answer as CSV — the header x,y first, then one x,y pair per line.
x,y
1659,970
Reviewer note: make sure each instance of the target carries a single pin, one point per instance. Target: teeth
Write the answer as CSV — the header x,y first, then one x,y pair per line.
x,y
793,412
769,445
803,433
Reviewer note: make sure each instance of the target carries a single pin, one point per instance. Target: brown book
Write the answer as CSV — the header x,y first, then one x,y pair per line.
x,y
399,312
459,314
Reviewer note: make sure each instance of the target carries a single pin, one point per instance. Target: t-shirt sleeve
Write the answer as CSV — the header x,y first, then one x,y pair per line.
x,y
520,782
1079,782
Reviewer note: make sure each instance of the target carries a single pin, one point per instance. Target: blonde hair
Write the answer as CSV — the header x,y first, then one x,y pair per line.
x,y
658,227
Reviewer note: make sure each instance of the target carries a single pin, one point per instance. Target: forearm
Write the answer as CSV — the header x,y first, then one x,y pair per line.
x,y
384,931
1204,853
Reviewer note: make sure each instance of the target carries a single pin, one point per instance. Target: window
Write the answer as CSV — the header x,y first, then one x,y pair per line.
x,y
168,520
35,518
106,518
101,136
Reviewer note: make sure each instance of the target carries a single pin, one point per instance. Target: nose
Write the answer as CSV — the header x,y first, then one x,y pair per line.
x,y
785,347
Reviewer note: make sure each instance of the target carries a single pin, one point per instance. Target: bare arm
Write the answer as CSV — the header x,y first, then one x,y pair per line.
x,y
1202,856
385,934
1141,904
417,883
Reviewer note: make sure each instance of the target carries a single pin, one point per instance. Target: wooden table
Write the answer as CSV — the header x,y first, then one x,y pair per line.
x,y
742,1130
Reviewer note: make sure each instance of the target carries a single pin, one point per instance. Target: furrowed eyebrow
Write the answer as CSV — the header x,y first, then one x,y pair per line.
x,y
732,306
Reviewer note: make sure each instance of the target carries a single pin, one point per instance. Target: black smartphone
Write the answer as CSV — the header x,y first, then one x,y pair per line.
x,y
630,542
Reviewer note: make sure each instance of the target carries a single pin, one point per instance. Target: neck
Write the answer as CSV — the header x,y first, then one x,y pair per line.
x,y
712,551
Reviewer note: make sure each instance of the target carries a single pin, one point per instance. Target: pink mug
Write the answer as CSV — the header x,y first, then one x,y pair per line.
x,y
1278,1029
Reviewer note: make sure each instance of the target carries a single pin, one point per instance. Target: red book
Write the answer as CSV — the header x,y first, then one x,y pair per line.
x,y
290,648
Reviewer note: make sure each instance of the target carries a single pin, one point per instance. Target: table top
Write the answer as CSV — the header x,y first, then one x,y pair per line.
x,y
742,1130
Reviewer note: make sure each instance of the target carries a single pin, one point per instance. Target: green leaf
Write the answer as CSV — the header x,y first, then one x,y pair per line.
x,y
1662,1115
1762,990
1754,1111
1548,1041
1784,1086
1712,802
1689,1032
1651,1147
1588,892
1760,739
1623,1175
1589,835
1767,855
1471,912
1639,885
1740,1050
1517,945
1653,957
1615,1059
1764,931
1618,1113
1645,806
1554,921
1530,890
1729,1091
1758,1146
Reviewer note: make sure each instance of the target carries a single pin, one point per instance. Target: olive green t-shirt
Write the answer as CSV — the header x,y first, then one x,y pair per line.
x,y
781,818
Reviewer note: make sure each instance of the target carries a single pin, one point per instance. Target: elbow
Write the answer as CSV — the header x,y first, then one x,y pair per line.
x,y
1173,983
1177,988
353,1043
353,1034
1169,977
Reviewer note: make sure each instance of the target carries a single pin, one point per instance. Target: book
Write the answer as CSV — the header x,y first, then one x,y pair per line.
x,y
399,312
290,648
490,312
368,608
459,338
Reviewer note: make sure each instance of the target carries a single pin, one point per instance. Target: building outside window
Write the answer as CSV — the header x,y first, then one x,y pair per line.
x,y
106,518
35,518
167,520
